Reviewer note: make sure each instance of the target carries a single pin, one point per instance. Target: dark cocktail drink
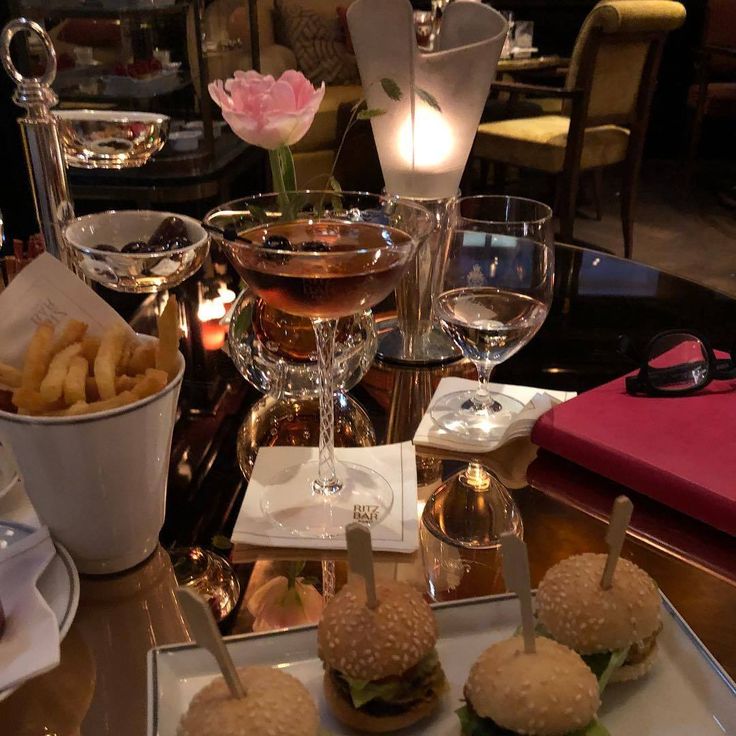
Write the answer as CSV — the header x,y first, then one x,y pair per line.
x,y
322,269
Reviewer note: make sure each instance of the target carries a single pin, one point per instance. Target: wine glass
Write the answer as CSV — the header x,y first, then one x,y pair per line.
x,y
495,293
322,255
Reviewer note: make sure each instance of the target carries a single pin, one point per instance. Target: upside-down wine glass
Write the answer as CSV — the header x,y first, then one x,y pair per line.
x,y
322,255
495,293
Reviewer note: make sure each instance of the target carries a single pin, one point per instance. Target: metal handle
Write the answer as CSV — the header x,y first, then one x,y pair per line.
x,y
30,26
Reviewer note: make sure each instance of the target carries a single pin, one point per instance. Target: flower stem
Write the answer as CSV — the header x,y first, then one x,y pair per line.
x,y
276,175
282,174
351,122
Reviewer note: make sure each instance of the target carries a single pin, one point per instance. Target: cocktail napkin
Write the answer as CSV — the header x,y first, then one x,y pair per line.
x,y
398,532
30,644
536,401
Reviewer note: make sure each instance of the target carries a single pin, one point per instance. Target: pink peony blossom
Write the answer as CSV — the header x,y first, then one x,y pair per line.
x,y
266,112
277,606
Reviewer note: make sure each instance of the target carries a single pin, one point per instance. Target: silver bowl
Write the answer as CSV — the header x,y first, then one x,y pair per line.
x,y
137,273
110,139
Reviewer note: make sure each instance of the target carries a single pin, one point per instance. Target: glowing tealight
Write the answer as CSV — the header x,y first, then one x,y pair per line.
x,y
210,309
431,139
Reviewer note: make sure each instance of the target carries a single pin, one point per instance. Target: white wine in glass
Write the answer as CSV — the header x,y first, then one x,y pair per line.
x,y
496,289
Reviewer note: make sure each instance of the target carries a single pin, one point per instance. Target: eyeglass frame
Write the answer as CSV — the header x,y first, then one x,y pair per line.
x,y
716,368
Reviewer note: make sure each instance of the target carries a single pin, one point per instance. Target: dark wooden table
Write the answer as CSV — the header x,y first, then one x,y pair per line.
x,y
100,687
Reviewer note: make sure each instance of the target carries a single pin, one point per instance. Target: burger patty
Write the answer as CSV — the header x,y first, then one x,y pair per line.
x,y
418,685
640,650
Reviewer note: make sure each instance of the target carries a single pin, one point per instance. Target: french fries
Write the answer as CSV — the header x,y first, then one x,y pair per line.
x,y
73,331
38,357
143,358
168,338
75,381
73,373
9,376
90,346
52,385
106,362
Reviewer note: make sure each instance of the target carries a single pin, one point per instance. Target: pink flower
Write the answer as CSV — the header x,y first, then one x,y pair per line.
x,y
266,112
277,606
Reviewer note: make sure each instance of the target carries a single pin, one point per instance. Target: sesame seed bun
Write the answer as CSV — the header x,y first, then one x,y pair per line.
x,y
362,721
577,612
548,693
370,644
276,704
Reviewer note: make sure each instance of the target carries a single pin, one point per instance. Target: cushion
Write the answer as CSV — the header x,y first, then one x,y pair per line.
x,y
539,143
314,39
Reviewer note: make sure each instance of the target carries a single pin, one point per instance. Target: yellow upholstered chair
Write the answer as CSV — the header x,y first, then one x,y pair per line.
x,y
606,101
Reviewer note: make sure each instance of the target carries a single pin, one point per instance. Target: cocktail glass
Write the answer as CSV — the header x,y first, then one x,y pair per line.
x,y
322,255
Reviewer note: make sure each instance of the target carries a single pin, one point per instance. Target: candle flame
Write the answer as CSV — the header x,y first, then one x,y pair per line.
x,y
430,141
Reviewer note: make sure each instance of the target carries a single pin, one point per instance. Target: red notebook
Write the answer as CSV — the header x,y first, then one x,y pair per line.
x,y
678,451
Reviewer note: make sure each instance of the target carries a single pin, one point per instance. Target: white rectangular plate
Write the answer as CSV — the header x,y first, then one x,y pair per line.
x,y
687,692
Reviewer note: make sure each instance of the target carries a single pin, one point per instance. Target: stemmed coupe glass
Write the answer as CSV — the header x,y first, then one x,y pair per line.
x,y
495,293
322,255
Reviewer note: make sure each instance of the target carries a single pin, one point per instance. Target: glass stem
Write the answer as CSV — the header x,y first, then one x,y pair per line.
x,y
327,482
482,400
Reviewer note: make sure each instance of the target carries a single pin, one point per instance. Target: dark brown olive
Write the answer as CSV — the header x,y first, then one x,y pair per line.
x,y
314,246
170,234
136,246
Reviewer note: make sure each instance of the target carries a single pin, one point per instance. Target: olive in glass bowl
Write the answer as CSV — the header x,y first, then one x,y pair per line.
x,y
137,251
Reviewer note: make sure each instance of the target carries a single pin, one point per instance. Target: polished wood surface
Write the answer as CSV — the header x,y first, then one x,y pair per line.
x,y
100,687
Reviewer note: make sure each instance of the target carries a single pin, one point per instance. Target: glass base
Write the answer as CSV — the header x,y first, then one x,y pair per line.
x,y
365,496
456,413
434,348
208,574
472,510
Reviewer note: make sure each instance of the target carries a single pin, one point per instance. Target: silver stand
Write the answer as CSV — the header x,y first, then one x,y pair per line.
x,y
44,155
412,338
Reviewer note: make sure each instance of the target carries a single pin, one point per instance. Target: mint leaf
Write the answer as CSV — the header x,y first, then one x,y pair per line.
x,y
391,89
368,114
430,99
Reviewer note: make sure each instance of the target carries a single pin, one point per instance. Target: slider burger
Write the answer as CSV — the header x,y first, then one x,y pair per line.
x,y
550,692
275,704
382,672
615,629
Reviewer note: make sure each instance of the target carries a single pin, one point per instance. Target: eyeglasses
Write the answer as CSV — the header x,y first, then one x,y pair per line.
x,y
677,362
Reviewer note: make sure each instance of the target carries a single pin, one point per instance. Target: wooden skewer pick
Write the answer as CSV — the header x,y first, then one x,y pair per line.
x,y
202,625
360,559
619,521
516,575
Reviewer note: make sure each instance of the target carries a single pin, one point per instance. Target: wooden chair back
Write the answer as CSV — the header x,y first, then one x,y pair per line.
x,y
616,58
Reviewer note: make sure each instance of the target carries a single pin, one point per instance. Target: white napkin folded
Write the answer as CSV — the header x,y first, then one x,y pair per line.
x,y
536,401
30,644
398,532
